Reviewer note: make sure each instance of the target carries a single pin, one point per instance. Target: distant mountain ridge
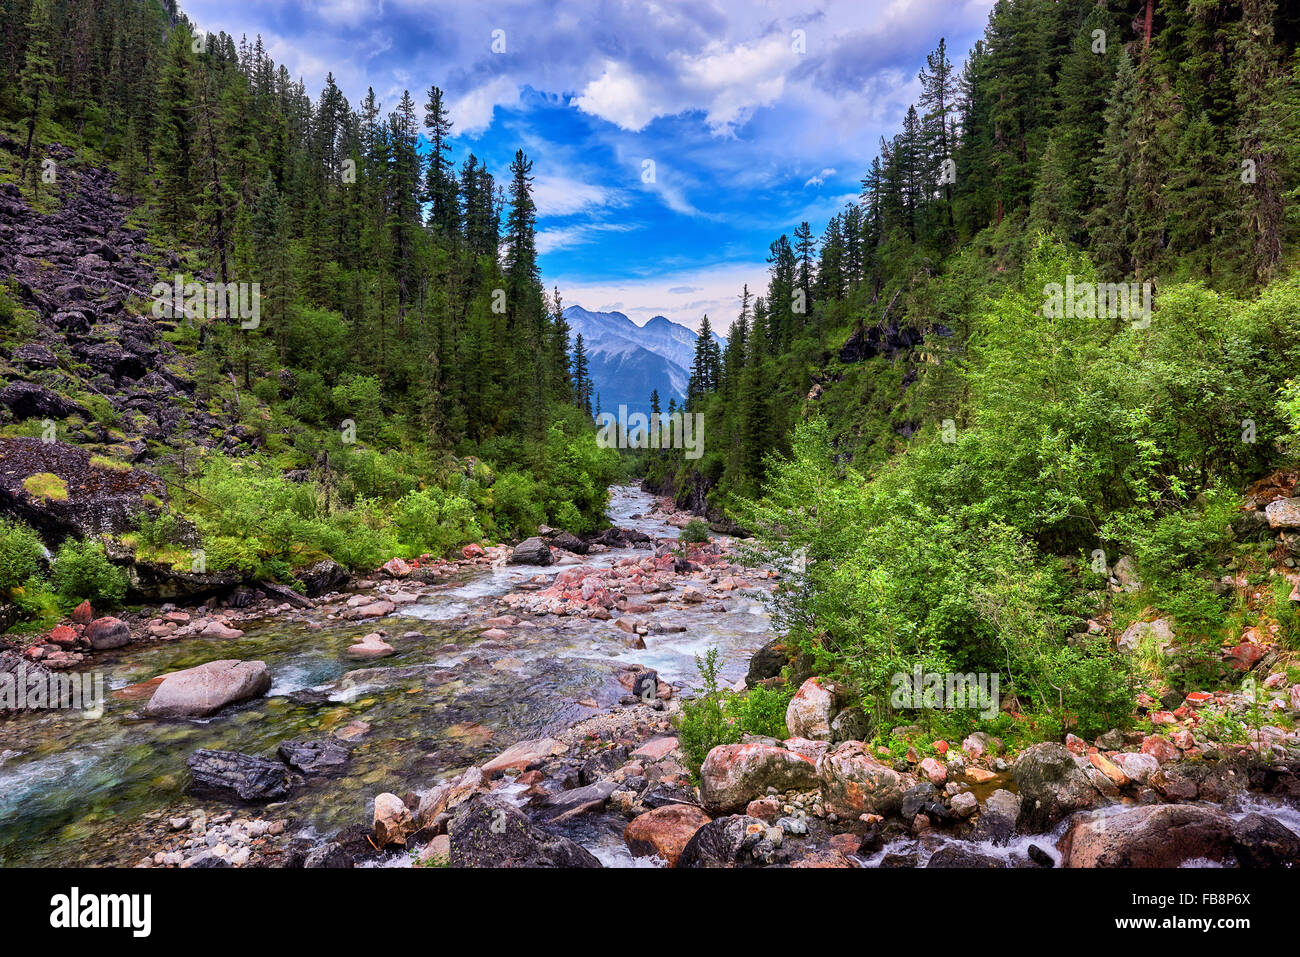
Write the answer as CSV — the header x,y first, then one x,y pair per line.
x,y
627,362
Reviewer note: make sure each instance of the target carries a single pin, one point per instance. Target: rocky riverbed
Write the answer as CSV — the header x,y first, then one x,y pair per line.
x,y
516,707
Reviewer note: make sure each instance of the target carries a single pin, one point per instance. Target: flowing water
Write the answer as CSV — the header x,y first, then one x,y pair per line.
x,y
75,791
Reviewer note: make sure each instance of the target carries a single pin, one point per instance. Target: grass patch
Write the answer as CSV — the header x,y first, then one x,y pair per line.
x,y
46,486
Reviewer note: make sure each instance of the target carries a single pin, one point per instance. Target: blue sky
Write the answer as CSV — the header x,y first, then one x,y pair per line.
x,y
756,115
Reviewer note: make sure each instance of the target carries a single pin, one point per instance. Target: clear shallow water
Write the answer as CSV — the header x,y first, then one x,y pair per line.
x,y
74,791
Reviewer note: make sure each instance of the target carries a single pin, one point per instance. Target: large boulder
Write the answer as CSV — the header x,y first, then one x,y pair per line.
x,y
231,774
734,774
325,576
1261,841
489,832
391,821
27,400
767,662
725,842
107,633
811,709
998,817
853,782
206,689
570,543
665,831
1052,784
155,583
1135,635
531,551
1162,835
1282,513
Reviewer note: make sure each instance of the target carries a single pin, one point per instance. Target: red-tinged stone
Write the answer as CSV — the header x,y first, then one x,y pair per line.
x,y
63,635
656,749
911,756
1181,713
734,774
846,844
178,617
529,778
1162,749
665,831
83,614
979,775
1196,699
495,634
1076,745
1183,739
1245,655
765,809
934,771
1109,769
397,568
34,652
941,747
1163,717
472,551
853,782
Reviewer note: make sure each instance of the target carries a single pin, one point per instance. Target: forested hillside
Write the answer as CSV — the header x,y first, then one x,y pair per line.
x,y
933,408
404,369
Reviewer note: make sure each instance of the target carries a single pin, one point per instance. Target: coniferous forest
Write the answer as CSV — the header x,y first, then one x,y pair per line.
x,y
973,542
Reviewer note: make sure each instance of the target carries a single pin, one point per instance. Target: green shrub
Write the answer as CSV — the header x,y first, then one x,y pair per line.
x,y
83,571
720,716
21,554
694,532
761,710
704,723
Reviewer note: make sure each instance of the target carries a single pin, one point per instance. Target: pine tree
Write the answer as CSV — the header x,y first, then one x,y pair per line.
x,y
174,131
37,75
440,181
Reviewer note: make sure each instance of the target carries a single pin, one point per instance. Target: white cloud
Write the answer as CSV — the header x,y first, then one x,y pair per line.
x,y
563,237
621,97
820,178
564,196
472,113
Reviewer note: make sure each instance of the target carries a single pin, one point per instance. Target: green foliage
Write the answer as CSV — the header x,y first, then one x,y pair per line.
x,y
21,554
704,723
717,715
694,532
83,571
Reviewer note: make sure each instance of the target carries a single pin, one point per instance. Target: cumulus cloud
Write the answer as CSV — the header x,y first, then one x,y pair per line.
x,y
819,178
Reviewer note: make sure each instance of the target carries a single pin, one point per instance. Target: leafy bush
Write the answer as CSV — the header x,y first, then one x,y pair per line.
x,y
83,571
694,532
704,723
720,716
21,554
